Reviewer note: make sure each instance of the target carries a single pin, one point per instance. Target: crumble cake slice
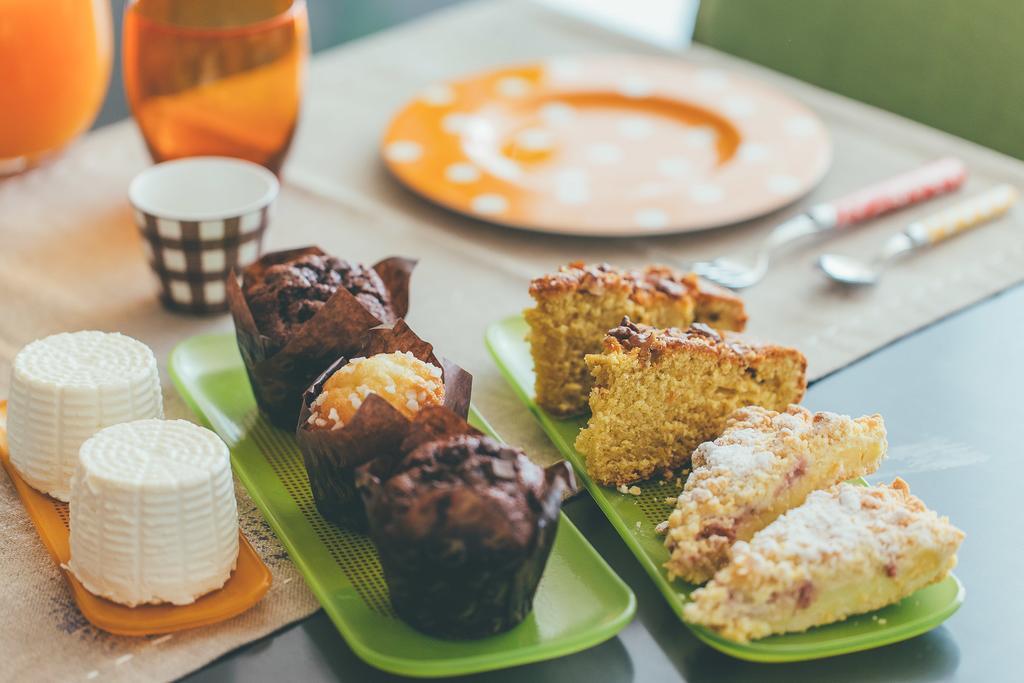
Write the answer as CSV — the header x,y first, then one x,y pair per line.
x,y
658,394
848,550
763,464
576,307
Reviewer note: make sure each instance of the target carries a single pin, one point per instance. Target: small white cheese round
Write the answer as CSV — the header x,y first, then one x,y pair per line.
x,y
153,516
65,388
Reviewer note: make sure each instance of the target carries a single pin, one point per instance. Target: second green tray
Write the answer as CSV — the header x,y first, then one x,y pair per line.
x,y
580,601
635,517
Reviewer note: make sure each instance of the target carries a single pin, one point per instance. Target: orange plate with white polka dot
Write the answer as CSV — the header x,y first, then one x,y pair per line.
x,y
248,583
607,146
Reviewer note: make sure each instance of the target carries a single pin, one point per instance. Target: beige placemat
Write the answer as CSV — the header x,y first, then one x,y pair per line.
x,y
70,259
48,639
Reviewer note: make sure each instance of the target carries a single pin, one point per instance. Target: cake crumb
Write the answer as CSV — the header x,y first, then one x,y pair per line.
x,y
661,528
622,488
638,526
634,490
883,621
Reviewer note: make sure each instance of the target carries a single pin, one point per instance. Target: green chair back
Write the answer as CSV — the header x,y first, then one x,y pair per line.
x,y
957,65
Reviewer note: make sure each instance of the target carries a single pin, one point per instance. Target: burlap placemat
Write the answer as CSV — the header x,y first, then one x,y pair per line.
x,y
70,259
48,639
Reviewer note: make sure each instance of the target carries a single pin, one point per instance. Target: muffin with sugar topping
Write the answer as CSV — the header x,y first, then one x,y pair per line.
x,y
361,407
407,383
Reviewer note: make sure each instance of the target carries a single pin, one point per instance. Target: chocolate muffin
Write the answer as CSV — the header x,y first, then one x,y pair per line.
x,y
297,311
285,295
464,526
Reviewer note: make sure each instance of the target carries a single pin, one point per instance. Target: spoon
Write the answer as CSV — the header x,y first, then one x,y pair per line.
x,y
920,234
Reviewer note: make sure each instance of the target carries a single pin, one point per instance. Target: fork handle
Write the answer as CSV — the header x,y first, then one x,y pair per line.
x,y
897,192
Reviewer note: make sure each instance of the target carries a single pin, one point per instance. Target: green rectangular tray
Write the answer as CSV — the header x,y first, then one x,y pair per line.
x,y
580,601
635,517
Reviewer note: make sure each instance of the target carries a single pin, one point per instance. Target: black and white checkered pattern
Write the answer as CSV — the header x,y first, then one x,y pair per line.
x,y
192,259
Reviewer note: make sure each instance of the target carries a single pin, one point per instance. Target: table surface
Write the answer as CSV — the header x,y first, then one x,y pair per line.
x,y
951,447
337,195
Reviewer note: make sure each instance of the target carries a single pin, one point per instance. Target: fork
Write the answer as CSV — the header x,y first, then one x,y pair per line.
x,y
930,180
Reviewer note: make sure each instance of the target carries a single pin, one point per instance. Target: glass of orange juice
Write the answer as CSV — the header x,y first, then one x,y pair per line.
x,y
56,67
216,77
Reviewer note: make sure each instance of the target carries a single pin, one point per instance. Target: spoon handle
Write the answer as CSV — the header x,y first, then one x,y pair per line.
x,y
963,216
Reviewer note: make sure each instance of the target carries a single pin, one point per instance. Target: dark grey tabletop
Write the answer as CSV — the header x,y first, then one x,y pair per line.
x,y
952,403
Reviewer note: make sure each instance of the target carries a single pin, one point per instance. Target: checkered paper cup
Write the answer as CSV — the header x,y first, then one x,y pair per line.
x,y
200,218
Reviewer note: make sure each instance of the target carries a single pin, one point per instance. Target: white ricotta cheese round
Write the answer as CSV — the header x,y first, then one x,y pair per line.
x,y
153,516
65,388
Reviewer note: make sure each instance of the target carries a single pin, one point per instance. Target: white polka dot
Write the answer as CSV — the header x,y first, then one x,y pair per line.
x,y
534,139
648,190
563,68
462,173
404,151
572,195
505,168
783,184
489,204
603,153
752,151
701,137
650,218
636,127
557,113
712,79
801,126
706,193
438,95
636,87
513,86
739,106
572,186
455,123
572,174
675,167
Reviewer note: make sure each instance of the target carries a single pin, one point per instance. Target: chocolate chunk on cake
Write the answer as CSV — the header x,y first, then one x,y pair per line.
x,y
464,526
658,394
576,307
286,295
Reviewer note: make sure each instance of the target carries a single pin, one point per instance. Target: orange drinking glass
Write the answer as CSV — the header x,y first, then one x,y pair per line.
x,y
54,70
216,77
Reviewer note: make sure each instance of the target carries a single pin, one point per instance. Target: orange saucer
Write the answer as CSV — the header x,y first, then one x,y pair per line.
x,y
248,583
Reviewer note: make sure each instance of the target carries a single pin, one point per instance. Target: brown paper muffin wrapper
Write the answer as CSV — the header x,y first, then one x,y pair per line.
x,y
279,378
459,595
377,430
